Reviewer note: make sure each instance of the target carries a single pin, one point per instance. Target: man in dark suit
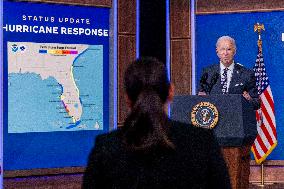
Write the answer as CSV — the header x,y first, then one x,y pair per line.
x,y
230,77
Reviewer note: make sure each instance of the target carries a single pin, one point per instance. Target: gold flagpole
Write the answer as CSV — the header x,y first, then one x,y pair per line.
x,y
262,175
258,28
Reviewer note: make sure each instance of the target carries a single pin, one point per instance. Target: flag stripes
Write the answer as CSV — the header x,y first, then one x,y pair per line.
x,y
266,139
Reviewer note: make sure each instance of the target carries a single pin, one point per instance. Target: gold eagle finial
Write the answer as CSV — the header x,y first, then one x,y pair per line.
x,y
259,27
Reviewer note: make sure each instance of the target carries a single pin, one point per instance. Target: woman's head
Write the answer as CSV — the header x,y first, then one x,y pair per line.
x,y
147,88
146,74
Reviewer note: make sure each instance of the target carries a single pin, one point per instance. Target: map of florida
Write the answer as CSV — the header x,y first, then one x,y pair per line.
x,y
50,60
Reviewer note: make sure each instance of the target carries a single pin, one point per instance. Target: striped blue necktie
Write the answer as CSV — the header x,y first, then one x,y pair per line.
x,y
224,81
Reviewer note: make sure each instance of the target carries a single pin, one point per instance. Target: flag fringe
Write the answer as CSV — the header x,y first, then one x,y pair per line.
x,y
259,161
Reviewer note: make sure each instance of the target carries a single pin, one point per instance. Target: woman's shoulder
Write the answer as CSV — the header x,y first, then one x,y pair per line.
x,y
185,130
186,127
111,135
108,141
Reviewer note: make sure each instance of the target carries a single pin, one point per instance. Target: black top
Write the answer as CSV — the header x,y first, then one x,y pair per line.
x,y
196,162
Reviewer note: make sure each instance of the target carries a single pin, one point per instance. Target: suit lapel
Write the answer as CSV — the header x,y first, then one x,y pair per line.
x,y
235,78
217,88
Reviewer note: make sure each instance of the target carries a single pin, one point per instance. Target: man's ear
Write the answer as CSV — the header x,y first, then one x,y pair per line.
x,y
171,93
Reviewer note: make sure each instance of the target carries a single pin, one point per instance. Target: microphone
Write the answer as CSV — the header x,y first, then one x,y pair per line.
x,y
203,82
213,81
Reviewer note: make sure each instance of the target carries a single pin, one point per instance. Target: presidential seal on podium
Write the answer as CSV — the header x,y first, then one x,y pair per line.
x,y
205,115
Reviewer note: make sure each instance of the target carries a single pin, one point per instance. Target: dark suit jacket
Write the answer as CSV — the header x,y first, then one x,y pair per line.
x,y
196,162
242,80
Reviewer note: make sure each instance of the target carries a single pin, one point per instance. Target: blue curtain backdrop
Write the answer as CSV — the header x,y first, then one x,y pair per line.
x,y
240,26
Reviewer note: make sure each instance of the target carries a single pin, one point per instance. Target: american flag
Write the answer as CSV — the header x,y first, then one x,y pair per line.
x,y
266,139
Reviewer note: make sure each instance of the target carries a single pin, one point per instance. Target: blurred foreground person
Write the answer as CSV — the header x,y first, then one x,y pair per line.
x,y
151,151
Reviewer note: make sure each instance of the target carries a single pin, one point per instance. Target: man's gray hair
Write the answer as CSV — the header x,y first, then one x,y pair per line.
x,y
226,38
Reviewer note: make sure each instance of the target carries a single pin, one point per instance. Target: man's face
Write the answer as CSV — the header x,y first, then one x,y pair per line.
x,y
226,52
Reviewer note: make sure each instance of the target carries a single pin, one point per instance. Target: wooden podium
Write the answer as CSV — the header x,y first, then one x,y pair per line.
x,y
235,130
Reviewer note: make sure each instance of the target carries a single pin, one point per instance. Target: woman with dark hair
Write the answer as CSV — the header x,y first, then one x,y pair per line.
x,y
150,150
